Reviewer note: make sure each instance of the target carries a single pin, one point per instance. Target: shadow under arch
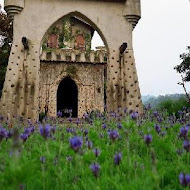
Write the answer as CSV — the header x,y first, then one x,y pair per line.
x,y
85,18
67,97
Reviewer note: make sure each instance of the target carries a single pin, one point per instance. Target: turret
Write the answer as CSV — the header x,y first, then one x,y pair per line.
x,y
13,7
132,12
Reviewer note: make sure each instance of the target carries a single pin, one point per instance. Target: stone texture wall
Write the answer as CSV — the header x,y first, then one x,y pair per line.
x,y
89,79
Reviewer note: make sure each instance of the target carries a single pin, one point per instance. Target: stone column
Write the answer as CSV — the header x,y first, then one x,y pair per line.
x,y
122,85
21,87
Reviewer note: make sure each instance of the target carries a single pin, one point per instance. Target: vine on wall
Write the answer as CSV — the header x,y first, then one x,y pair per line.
x,y
66,35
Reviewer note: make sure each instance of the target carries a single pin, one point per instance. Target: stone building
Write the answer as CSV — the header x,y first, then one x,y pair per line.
x,y
41,58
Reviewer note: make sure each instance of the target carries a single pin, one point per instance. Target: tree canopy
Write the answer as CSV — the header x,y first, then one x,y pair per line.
x,y
184,67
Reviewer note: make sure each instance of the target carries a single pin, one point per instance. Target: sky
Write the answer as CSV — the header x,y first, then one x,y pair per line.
x,y
162,34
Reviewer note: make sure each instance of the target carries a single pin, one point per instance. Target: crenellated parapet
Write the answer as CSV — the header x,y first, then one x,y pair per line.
x,y
13,7
132,12
69,55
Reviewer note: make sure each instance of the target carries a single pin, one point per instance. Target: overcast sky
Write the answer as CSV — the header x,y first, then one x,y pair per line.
x,y
160,37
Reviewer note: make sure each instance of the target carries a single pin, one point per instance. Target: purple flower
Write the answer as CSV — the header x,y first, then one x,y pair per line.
x,y
59,114
134,115
85,116
157,128
53,129
76,143
117,158
32,129
96,152
70,119
186,145
9,134
3,133
148,139
95,168
155,113
70,130
184,131
184,179
104,126
125,110
78,121
45,130
85,132
159,119
27,131
42,159
113,114
24,136
119,126
113,135
89,144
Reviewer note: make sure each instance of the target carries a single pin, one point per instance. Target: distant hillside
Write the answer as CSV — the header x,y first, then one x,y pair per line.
x,y
146,98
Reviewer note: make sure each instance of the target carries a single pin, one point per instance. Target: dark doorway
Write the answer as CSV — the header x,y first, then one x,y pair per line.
x,y
67,98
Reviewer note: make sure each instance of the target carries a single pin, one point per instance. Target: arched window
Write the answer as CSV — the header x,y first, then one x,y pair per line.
x,y
80,42
53,41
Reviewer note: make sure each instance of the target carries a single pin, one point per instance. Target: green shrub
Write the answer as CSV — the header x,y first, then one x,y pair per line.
x,y
173,106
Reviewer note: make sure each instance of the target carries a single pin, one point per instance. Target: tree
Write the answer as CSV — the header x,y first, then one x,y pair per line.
x,y
6,34
184,70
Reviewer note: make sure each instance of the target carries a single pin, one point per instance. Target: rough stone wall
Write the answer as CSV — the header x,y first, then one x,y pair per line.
x,y
114,20
89,79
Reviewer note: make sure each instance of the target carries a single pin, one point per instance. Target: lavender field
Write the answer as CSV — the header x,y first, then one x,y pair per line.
x,y
100,151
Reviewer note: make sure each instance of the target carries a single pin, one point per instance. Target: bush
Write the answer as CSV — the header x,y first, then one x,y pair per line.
x,y
173,106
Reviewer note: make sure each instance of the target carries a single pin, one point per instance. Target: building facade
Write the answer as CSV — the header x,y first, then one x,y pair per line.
x,y
37,28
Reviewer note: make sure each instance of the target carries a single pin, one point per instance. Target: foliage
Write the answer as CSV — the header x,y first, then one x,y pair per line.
x,y
6,27
173,106
106,153
3,69
184,70
55,30
184,67
5,45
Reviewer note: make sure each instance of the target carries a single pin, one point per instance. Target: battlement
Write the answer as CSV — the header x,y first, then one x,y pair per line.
x,y
69,55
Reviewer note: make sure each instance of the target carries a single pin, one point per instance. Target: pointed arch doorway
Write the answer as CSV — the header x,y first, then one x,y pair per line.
x,y
67,97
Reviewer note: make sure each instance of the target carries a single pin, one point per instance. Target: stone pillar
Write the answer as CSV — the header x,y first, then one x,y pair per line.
x,y
132,93
21,87
122,85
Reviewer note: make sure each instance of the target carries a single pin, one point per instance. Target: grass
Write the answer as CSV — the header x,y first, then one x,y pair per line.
x,y
144,167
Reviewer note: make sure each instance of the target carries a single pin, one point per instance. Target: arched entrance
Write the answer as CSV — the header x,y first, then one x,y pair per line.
x,y
67,97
